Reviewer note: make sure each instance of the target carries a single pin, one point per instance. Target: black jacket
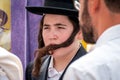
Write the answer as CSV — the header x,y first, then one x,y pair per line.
x,y
44,69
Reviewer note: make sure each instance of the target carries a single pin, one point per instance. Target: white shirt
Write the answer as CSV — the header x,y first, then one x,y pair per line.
x,y
10,66
103,63
53,74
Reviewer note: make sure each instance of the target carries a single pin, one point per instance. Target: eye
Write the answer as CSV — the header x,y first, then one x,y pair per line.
x,y
45,27
61,27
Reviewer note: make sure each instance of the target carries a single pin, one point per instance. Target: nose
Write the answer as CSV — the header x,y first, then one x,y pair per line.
x,y
53,35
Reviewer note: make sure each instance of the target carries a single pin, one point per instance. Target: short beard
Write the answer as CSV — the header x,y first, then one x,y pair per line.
x,y
87,27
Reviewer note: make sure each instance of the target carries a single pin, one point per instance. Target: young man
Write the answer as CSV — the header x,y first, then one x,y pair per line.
x,y
100,22
59,38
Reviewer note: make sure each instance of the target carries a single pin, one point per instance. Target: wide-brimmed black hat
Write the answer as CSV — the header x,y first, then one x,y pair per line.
x,y
63,7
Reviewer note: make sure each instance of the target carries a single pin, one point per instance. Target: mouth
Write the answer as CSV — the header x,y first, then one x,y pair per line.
x,y
53,48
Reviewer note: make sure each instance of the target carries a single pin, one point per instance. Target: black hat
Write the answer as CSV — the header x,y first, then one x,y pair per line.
x,y
62,7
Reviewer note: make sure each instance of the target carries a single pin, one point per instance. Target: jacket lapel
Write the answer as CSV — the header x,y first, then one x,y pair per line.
x,y
44,69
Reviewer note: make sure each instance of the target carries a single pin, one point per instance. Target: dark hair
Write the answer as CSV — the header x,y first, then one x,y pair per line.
x,y
113,5
40,38
42,51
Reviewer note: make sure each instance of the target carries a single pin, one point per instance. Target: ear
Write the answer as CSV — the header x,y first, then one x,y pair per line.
x,y
79,35
93,5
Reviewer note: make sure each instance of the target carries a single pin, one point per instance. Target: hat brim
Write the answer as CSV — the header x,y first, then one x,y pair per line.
x,y
52,10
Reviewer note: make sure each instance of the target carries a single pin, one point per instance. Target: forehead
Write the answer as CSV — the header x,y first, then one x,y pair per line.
x,y
55,15
55,18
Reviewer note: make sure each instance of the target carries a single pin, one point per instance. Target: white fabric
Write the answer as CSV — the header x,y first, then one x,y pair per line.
x,y
3,75
53,74
10,66
103,63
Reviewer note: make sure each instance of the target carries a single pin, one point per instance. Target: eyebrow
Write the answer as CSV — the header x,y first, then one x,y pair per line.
x,y
46,25
57,24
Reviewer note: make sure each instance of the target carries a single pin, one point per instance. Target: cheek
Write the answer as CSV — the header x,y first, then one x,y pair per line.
x,y
45,38
65,35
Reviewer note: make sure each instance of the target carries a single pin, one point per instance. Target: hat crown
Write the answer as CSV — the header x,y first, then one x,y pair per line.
x,y
62,7
66,4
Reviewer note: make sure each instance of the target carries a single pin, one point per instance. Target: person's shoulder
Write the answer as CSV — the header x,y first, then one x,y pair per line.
x,y
30,64
7,54
29,68
13,64
8,57
3,52
91,59
97,57
45,57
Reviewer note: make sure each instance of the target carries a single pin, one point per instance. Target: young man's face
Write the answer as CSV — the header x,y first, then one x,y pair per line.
x,y
56,29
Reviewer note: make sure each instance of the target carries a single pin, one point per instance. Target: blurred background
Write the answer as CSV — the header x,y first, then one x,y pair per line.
x,y
19,28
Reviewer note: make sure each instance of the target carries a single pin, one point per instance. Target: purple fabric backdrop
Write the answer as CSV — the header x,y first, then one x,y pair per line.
x,y
24,26
18,28
33,25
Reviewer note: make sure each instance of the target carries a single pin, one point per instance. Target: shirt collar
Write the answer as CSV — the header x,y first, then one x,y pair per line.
x,y
51,63
51,70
